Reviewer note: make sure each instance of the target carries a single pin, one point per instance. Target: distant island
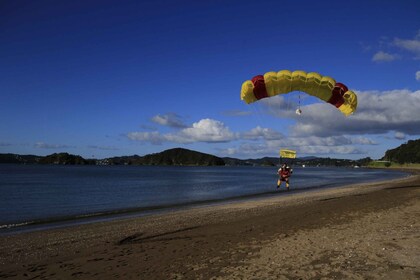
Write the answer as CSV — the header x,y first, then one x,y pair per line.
x,y
405,153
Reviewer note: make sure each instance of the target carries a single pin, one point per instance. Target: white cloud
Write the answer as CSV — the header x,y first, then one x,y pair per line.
x,y
205,130
170,119
342,150
315,141
418,75
104,148
320,130
399,135
153,137
363,141
410,45
237,113
377,113
262,133
384,57
334,145
397,48
252,150
42,145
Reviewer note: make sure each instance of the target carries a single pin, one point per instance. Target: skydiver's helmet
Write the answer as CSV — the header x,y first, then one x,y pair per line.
x,y
298,111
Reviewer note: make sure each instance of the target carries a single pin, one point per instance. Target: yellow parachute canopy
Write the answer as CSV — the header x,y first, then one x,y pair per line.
x,y
287,154
284,81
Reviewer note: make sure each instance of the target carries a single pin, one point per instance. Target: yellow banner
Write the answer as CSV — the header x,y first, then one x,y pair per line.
x,y
287,154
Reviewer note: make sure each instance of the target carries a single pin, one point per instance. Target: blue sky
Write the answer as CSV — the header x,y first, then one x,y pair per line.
x,y
112,78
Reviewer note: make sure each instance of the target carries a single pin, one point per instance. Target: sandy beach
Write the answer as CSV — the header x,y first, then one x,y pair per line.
x,y
367,231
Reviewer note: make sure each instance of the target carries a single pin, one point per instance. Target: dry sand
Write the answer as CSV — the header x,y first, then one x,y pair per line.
x,y
368,231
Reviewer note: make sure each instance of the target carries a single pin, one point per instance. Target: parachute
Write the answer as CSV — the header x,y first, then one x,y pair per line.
x,y
287,153
285,81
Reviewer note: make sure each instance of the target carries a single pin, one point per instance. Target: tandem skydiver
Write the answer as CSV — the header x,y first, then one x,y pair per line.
x,y
284,173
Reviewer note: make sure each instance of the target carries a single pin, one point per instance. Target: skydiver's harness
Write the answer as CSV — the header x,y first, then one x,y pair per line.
x,y
284,173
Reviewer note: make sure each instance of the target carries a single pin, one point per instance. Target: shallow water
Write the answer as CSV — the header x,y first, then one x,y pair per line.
x,y
45,193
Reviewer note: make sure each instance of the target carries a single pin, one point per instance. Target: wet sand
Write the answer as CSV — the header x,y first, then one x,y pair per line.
x,y
366,231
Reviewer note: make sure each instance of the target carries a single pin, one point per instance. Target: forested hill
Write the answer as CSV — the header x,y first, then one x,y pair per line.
x,y
57,158
177,156
406,153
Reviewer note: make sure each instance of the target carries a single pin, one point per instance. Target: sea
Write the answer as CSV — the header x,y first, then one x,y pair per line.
x,y
36,197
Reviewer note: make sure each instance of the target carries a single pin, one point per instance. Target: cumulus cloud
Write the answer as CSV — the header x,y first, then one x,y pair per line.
x,y
258,133
258,141
205,130
302,143
418,75
377,113
331,150
281,102
170,119
333,145
321,129
270,148
384,57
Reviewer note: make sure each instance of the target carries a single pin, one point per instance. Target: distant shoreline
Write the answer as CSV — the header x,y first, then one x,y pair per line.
x,y
174,157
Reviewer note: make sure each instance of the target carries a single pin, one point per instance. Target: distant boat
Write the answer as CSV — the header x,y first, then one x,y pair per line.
x,y
356,166
303,165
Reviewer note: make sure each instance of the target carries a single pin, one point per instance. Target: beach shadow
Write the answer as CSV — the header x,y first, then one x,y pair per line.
x,y
403,187
138,237
331,198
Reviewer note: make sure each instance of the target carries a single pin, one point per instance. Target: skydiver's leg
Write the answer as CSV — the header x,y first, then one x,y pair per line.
x,y
287,183
278,183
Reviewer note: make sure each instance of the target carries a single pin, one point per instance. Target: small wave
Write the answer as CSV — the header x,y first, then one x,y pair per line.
x,y
15,225
90,215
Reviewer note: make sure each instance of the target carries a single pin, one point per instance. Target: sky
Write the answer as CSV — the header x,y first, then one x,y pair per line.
x,y
115,78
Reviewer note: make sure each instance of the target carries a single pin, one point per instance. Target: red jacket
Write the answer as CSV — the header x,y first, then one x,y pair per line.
x,y
285,172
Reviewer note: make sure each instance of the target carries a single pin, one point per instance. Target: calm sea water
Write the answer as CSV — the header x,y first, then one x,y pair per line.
x,y
39,194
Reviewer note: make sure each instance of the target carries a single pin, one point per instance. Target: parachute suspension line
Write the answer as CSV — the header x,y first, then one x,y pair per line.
x,y
257,113
298,110
322,87
288,102
299,102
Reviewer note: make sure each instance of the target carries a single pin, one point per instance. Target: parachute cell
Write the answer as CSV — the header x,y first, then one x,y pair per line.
x,y
284,81
287,153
